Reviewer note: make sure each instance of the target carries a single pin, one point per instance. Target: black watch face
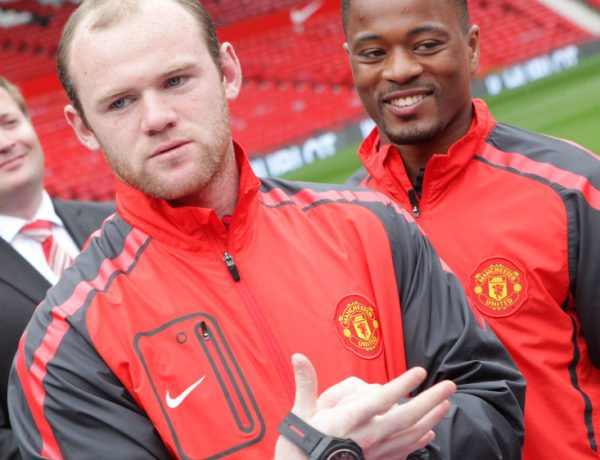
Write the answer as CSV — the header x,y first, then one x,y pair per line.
x,y
342,453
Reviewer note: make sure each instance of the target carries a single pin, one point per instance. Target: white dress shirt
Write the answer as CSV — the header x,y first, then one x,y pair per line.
x,y
30,249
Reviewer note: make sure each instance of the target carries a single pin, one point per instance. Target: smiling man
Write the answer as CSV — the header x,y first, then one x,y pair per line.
x,y
26,268
515,214
172,335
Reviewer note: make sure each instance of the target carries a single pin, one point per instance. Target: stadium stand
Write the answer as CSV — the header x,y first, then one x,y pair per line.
x,y
285,113
516,30
297,79
71,171
231,11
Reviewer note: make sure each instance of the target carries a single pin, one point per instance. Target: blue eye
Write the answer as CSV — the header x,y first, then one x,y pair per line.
x,y
174,81
119,104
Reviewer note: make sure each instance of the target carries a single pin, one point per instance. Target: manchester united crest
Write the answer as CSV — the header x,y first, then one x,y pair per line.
x,y
499,287
358,326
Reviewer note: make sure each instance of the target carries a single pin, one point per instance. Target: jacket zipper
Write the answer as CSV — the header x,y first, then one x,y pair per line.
x,y
263,328
239,409
235,274
414,202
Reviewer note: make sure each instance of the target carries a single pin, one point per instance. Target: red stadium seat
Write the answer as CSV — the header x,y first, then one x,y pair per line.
x,y
297,82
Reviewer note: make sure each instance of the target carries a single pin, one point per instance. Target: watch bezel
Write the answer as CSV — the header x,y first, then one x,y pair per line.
x,y
340,446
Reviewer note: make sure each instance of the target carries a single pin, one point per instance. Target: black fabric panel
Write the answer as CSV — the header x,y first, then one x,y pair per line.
x,y
584,263
82,218
358,176
85,268
545,149
84,394
442,335
292,187
583,238
17,396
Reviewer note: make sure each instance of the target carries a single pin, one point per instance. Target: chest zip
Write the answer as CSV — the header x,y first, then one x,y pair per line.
x,y
235,274
414,202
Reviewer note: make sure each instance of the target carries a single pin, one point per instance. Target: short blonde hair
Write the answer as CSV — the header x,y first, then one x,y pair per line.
x,y
109,12
15,94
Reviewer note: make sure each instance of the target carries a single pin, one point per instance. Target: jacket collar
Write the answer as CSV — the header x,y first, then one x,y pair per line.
x,y
191,227
384,162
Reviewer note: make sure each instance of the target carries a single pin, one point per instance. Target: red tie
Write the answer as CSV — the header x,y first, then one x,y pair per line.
x,y
40,230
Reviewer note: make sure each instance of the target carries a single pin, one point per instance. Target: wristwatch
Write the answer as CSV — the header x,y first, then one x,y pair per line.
x,y
317,445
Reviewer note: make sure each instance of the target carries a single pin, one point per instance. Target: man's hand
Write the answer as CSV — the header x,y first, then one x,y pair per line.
x,y
369,414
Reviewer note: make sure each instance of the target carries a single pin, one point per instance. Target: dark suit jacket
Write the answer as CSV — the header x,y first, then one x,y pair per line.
x,y
22,288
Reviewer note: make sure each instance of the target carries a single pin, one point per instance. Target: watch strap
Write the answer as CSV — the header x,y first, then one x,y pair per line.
x,y
312,442
300,433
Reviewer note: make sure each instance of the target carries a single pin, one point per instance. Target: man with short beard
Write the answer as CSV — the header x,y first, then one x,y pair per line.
x,y
173,334
515,214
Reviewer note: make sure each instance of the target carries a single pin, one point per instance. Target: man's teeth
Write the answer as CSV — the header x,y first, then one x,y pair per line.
x,y
406,101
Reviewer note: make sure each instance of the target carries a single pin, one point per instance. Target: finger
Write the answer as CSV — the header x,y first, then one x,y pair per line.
x,y
403,443
417,435
305,402
418,407
345,391
386,397
414,418
396,447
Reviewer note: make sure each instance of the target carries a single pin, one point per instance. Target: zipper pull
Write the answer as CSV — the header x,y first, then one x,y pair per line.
x,y
412,196
235,274
204,331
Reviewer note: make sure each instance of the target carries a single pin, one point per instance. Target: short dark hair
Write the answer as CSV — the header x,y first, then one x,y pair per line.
x,y
110,11
462,6
15,94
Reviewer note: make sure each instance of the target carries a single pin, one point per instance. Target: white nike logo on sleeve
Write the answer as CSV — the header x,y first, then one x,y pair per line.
x,y
175,402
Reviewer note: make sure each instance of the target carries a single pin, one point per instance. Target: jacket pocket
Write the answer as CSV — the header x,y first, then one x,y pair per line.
x,y
206,406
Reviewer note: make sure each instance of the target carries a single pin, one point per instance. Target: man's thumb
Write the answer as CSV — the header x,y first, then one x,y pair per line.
x,y
305,376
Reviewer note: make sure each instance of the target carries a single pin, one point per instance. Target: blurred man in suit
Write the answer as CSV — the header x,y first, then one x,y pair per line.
x,y
39,236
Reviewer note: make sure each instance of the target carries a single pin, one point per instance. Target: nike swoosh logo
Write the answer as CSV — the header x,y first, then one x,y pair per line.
x,y
175,402
301,15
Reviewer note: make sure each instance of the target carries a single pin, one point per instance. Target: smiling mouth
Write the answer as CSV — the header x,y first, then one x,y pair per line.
x,y
407,101
7,163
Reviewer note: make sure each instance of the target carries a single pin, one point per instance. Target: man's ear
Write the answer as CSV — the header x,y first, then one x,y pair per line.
x,y
473,43
84,134
232,71
346,48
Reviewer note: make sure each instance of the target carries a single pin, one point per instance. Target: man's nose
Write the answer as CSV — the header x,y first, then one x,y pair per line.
x,y
157,115
402,66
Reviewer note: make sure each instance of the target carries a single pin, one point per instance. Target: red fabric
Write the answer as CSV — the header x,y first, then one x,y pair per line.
x,y
199,276
487,218
33,388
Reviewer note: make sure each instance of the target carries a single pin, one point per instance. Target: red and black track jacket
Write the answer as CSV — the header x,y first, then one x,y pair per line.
x,y
516,215
172,335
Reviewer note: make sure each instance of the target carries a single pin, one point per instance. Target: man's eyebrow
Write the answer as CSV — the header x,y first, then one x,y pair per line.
x,y
426,28
180,67
4,115
112,95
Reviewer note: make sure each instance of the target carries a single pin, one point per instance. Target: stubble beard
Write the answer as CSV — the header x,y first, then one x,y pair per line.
x,y
155,183
202,170
413,135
